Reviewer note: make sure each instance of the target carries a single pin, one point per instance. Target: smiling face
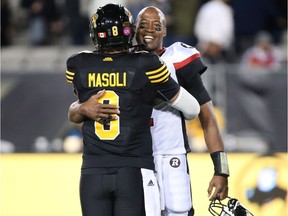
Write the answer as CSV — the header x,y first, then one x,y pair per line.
x,y
151,28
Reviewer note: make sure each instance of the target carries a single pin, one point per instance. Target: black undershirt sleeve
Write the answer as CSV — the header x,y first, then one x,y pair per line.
x,y
195,87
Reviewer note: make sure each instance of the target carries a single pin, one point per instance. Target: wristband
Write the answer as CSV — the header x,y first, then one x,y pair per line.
x,y
220,162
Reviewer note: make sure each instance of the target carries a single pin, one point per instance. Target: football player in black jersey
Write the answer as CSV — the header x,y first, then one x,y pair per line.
x,y
117,174
96,111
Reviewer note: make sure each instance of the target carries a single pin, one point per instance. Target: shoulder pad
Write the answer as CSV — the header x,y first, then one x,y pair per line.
x,y
181,51
181,45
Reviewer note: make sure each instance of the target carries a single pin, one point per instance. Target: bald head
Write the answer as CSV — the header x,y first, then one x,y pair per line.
x,y
151,29
151,10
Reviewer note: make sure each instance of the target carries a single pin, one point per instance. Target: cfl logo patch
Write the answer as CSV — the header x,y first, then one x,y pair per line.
x,y
175,162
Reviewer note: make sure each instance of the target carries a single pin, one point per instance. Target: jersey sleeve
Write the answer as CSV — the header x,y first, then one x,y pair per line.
x,y
189,68
71,67
198,90
160,77
187,60
72,64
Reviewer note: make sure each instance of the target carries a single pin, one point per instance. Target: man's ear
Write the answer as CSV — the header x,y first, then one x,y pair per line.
x,y
165,32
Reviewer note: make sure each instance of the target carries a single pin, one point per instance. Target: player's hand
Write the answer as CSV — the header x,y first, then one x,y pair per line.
x,y
96,111
218,188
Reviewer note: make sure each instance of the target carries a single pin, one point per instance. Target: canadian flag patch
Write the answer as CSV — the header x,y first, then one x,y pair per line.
x,y
102,34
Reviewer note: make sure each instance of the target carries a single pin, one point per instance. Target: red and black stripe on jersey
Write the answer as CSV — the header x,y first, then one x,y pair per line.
x,y
135,79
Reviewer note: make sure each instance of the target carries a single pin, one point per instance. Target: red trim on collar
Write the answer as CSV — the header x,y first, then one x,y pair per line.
x,y
161,51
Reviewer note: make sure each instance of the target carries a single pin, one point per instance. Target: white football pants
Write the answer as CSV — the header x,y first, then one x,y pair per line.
x,y
174,184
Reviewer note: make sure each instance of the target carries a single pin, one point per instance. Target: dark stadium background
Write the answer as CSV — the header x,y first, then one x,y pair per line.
x,y
38,176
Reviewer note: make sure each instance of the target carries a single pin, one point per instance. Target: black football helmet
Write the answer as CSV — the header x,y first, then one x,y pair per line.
x,y
232,208
112,25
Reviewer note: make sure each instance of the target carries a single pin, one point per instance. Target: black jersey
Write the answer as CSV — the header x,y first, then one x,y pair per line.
x,y
132,81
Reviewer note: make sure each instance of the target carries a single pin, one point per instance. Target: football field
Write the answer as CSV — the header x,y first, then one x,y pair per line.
x,y
47,184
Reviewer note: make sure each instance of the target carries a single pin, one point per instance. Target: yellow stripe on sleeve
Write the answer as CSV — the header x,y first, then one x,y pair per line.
x,y
69,76
162,79
159,75
149,73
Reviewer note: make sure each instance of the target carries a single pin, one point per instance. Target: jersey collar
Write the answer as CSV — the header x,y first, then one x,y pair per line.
x,y
160,53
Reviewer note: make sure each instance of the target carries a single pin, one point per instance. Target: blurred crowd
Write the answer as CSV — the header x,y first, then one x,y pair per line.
x,y
221,29
251,33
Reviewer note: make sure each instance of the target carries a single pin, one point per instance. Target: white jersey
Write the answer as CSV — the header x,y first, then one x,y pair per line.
x,y
167,126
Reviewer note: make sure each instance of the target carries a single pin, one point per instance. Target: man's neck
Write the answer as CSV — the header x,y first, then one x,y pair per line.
x,y
160,51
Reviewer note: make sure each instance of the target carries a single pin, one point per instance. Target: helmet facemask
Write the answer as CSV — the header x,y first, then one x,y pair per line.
x,y
232,208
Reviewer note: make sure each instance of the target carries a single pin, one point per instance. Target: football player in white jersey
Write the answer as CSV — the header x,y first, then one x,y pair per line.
x,y
170,144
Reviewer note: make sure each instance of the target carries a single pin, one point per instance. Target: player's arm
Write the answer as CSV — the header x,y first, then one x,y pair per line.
x,y
218,186
170,90
186,103
92,109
